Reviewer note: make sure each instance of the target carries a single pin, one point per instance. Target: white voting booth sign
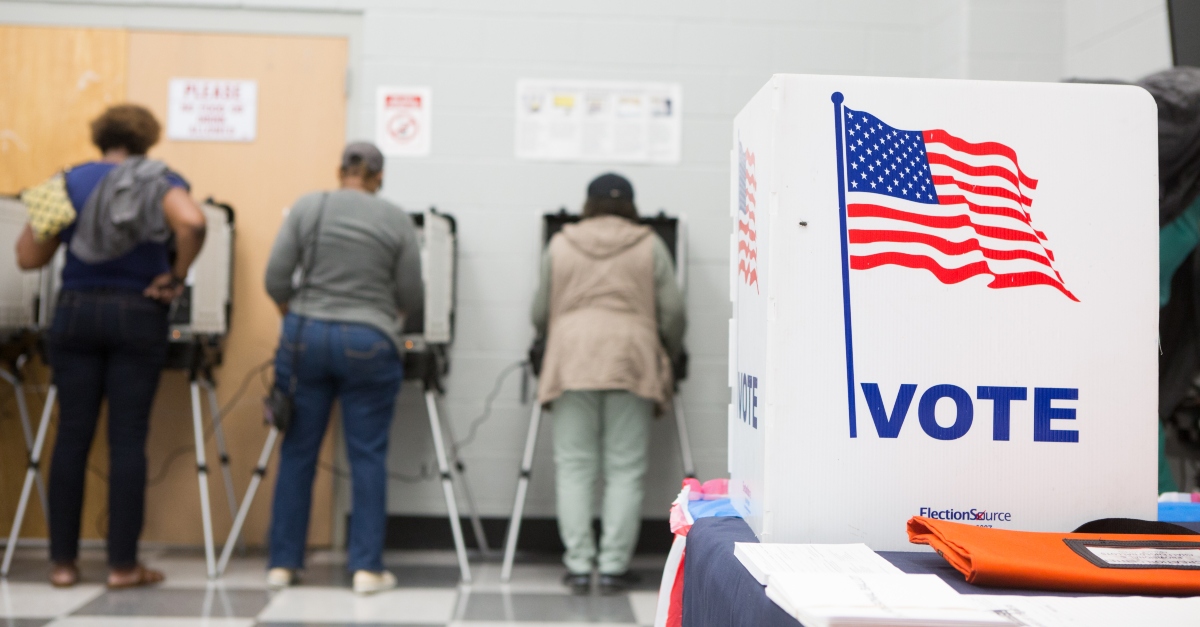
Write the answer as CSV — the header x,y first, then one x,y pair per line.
x,y
945,305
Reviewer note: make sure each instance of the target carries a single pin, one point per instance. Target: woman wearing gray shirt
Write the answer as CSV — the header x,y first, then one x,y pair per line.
x,y
345,271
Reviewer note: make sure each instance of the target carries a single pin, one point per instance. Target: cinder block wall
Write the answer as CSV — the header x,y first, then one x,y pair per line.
x,y
471,52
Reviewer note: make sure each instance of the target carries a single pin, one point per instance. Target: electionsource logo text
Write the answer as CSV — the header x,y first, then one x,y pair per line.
x,y
966,515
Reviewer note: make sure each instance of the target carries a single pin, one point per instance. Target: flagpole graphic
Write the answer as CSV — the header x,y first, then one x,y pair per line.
x,y
841,172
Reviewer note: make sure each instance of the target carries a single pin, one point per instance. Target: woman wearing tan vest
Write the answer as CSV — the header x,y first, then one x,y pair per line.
x,y
613,319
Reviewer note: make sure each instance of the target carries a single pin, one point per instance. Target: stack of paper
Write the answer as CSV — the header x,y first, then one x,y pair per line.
x,y
764,560
832,600
849,584
1048,611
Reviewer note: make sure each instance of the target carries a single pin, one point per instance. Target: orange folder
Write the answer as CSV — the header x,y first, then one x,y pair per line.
x,y
1076,562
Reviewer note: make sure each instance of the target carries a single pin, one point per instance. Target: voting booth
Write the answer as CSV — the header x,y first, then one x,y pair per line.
x,y
426,336
199,322
19,289
945,299
673,231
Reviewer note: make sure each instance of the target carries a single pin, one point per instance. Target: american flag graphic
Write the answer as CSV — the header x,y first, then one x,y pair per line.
x,y
931,201
747,227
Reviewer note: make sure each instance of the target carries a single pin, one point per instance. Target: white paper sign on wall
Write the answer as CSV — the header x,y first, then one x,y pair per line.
x,y
207,109
402,121
590,121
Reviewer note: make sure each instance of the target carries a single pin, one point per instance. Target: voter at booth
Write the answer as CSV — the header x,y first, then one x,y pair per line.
x,y
131,232
360,277
613,318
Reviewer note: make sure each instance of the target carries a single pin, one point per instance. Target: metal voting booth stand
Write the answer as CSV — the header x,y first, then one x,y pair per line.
x,y
199,321
674,233
427,340
24,312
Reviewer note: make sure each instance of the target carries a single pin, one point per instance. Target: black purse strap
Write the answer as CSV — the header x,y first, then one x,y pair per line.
x,y
303,291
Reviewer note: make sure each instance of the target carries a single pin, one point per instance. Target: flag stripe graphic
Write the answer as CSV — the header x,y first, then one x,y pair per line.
x,y
936,159
957,275
747,223
945,246
998,192
980,149
859,210
931,201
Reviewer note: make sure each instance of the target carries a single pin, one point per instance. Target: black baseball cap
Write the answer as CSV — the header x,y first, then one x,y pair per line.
x,y
365,153
610,185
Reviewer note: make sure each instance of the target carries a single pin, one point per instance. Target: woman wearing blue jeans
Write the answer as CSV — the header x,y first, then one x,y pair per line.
x,y
359,270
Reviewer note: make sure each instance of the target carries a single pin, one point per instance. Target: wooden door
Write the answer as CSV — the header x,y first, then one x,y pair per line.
x,y
53,81
300,132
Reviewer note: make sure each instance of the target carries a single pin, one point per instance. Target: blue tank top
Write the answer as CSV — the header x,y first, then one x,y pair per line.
x,y
133,271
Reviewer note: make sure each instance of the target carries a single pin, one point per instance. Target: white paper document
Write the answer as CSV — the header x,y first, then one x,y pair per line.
x,y
831,600
1048,611
590,121
1147,557
208,109
764,560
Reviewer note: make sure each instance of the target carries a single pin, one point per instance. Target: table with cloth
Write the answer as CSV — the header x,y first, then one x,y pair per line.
x,y
713,588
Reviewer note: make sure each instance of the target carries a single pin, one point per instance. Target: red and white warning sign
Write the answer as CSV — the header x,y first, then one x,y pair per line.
x,y
402,121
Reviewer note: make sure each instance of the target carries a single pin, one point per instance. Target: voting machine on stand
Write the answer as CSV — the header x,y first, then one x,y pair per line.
x,y
23,313
199,322
673,231
427,337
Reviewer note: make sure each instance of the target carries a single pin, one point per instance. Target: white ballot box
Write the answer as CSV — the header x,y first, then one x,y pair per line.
x,y
945,305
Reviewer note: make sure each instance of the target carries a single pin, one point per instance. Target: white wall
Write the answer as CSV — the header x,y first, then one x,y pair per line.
x,y
472,54
1124,39
473,51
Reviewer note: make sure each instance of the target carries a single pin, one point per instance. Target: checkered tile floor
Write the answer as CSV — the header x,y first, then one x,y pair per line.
x,y
429,595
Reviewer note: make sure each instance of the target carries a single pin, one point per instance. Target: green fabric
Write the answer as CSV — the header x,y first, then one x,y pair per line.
x,y
600,432
668,299
1176,241
1166,479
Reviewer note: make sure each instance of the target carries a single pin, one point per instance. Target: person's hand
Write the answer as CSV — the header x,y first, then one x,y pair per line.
x,y
164,288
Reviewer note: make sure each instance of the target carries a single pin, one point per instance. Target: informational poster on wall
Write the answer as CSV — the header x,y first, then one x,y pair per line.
x,y
402,121
598,121
215,110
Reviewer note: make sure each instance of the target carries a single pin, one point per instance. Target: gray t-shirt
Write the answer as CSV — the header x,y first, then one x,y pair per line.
x,y
367,268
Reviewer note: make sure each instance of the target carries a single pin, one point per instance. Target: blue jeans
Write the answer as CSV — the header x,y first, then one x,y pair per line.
x,y
359,365
103,344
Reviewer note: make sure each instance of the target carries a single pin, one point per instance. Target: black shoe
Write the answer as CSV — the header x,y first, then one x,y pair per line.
x,y
578,583
616,584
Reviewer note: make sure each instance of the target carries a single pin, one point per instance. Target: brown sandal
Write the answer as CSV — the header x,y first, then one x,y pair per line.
x,y
64,575
135,577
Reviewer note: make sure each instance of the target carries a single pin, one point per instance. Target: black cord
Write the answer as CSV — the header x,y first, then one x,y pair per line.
x,y
424,475
178,452
487,408
237,396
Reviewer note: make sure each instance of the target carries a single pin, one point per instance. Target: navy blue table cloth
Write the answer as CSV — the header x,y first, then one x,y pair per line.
x,y
719,592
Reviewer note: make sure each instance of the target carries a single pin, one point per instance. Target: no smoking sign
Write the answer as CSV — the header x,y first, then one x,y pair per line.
x,y
403,127
402,117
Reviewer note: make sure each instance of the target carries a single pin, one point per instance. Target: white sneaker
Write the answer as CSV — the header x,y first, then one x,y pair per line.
x,y
280,578
367,582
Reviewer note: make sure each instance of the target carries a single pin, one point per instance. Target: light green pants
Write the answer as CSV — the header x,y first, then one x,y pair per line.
x,y
595,430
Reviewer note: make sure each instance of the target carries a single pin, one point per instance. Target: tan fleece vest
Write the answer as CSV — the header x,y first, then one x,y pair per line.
x,y
603,329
